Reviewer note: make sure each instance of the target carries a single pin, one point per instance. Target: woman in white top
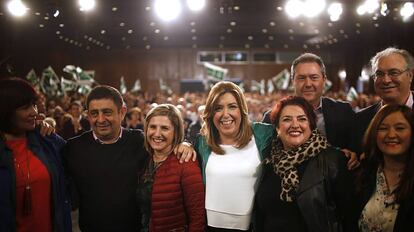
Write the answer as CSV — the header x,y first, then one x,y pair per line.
x,y
231,150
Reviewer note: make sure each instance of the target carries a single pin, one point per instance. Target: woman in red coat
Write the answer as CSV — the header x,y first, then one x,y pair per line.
x,y
170,194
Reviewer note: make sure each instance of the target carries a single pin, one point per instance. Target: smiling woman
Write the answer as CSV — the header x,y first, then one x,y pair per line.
x,y
297,191
171,195
231,150
385,180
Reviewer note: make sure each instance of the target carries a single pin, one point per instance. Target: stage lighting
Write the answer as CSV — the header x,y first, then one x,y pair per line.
x,y
17,8
313,8
294,8
167,10
86,5
407,10
196,5
335,11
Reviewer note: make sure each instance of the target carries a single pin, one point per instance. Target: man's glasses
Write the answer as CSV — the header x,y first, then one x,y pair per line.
x,y
392,73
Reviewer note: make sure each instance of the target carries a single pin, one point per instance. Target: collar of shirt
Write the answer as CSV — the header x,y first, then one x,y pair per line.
x,y
409,102
103,142
318,109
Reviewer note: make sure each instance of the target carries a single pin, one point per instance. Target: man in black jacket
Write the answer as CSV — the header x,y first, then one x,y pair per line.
x,y
334,118
392,70
103,165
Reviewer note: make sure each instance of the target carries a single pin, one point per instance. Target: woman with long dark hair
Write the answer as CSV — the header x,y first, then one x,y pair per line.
x,y
385,182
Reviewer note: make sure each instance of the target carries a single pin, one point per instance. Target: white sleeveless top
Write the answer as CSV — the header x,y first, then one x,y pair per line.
x,y
231,183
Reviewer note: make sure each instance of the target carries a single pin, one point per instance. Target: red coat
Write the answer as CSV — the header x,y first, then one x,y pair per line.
x,y
177,199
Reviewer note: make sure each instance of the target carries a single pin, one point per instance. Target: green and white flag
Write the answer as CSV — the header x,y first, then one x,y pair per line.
x,y
50,83
164,87
84,89
122,87
270,86
352,94
137,86
67,85
281,80
258,86
328,85
32,78
214,72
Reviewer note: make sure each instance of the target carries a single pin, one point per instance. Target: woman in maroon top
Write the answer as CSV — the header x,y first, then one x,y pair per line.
x,y
32,193
171,195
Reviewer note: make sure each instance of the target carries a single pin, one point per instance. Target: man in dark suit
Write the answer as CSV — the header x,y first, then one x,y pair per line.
x,y
392,73
334,118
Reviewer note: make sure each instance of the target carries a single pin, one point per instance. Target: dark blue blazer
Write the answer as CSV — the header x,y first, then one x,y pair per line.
x,y
47,149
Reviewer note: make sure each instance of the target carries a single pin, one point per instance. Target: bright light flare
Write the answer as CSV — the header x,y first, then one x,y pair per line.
x,y
342,74
196,5
86,5
312,8
167,10
17,8
384,9
371,6
407,10
294,8
335,11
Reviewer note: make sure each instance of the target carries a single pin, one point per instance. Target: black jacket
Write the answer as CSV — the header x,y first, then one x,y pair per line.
x,y
324,195
405,215
338,117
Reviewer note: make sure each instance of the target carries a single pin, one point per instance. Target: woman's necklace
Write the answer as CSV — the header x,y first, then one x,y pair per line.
x,y
27,192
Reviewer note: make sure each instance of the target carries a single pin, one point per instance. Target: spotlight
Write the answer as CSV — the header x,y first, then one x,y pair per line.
x,y
313,8
86,5
335,11
196,5
407,10
167,10
17,8
294,8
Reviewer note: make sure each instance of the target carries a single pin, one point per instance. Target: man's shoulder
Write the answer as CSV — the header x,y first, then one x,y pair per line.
x,y
132,133
369,110
85,136
335,103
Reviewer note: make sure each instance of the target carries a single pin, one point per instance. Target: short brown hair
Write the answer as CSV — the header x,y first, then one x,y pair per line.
x,y
174,115
210,131
307,58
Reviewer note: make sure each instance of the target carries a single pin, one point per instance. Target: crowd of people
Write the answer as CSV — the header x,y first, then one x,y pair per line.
x,y
288,161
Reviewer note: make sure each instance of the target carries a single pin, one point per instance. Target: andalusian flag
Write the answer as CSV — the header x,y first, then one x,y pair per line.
x,y
281,80
328,85
50,83
258,86
214,72
137,86
33,79
352,94
122,87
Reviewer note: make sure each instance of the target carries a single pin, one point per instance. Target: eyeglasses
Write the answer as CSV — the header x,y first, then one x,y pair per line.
x,y
392,73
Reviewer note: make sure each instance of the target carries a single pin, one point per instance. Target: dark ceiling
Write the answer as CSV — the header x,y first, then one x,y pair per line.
x,y
232,24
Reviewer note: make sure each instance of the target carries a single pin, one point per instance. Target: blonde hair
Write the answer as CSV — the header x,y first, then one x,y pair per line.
x,y
210,131
174,115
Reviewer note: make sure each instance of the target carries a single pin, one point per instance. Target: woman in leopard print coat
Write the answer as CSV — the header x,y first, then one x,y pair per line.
x,y
306,185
